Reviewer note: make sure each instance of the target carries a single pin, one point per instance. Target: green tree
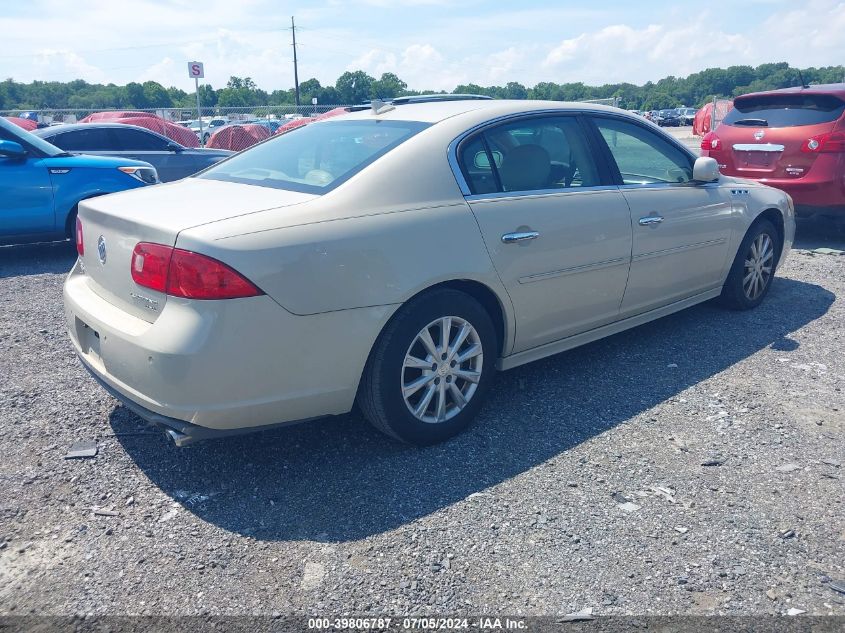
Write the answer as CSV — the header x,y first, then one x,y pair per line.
x,y
208,96
514,90
388,87
156,95
309,89
135,95
354,87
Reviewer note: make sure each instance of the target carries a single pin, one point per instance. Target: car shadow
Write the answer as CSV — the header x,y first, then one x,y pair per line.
x,y
37,259
339,480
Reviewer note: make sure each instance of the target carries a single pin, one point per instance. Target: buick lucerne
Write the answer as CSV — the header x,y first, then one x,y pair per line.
x,y
398,256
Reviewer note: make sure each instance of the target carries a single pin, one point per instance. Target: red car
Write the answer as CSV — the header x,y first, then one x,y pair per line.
x,y
791,139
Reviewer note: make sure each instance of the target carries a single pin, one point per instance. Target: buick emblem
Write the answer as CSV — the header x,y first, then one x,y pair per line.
x,y
101,249
759,134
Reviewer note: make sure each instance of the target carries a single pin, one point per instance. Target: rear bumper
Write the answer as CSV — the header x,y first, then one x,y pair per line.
x,y
823,185
222,365
808,211
182,433
809,193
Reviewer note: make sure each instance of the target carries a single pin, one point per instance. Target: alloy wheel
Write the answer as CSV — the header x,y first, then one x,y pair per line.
x,y
759,264
442,369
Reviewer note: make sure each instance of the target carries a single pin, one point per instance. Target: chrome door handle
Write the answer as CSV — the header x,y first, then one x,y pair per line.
x,y
510,238
651,219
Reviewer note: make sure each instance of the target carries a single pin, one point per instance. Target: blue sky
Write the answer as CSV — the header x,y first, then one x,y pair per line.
x,y
429,43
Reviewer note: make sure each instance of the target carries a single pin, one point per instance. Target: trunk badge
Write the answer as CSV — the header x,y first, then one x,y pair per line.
x,y
759,134
101,249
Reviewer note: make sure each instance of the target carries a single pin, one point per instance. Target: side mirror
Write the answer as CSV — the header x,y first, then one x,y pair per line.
x,y
173,147
11,149
705,169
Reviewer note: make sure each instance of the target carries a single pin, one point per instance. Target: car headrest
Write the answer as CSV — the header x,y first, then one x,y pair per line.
x,y
525,167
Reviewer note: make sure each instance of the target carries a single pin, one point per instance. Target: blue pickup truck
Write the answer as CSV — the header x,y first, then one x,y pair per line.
x,y
41,185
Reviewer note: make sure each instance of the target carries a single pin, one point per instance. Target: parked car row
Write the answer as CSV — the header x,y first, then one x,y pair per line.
x,y
43,185
671,117
206,128
172,160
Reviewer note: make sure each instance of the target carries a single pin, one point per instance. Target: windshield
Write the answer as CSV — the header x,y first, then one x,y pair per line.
x,y
11,132
314,158
785,110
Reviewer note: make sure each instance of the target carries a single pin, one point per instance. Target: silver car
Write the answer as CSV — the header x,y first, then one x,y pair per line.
x,y
400,256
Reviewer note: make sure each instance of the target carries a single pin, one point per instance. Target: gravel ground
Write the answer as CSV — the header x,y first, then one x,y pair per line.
x,y
692,465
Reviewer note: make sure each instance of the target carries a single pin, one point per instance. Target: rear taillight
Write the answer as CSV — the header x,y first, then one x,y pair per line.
x,y
80,244
150,263
710,142
182,273
825,143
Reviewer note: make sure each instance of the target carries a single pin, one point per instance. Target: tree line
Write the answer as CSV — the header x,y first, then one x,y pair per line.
x,y
358,86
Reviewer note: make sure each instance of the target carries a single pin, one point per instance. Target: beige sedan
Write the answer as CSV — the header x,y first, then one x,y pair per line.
x,y
398,256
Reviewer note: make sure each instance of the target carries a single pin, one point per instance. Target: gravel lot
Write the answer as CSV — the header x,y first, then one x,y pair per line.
x,y
584,484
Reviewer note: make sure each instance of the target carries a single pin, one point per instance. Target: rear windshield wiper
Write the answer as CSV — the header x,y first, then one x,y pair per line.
x,y
754,122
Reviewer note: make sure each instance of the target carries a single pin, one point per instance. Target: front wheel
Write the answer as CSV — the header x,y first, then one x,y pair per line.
x,y
753,268
430,369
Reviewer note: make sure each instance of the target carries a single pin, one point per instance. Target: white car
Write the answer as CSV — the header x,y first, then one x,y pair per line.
x,y
205,129
399,256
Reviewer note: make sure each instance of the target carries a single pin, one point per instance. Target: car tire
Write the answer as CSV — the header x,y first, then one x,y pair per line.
x,y
753,268
70,223
410,394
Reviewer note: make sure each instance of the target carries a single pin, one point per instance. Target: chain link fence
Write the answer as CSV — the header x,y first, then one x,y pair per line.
x,y
179,124
721,107
612,101
190,128
49,116
52,116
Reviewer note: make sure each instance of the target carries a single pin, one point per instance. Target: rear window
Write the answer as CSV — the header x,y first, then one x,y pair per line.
x,y
785,110
315,158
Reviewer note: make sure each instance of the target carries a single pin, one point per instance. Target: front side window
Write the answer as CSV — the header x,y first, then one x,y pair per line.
x,y
11,132
317,157
529,155
642,156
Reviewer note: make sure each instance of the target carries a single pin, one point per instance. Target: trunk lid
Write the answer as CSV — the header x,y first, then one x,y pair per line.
x,y
112,226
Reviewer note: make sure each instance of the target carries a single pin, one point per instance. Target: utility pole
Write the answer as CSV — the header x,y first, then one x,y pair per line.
x,y
295,69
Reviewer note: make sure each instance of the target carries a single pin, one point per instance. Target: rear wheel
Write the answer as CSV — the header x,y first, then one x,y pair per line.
x,y
70,223
430,369
753,268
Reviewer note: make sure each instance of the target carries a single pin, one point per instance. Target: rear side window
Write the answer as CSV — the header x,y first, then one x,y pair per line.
x,y
477,168
315,158
785,110
85,140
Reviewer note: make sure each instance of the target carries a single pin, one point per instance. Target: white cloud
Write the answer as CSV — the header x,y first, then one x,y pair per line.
x,y
417,65
61,62
433,44
618,53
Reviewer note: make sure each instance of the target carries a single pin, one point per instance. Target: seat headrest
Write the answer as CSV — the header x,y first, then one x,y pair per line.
x,y
525,167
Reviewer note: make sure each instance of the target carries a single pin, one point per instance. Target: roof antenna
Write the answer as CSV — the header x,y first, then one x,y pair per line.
x,y
801,77
380,107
